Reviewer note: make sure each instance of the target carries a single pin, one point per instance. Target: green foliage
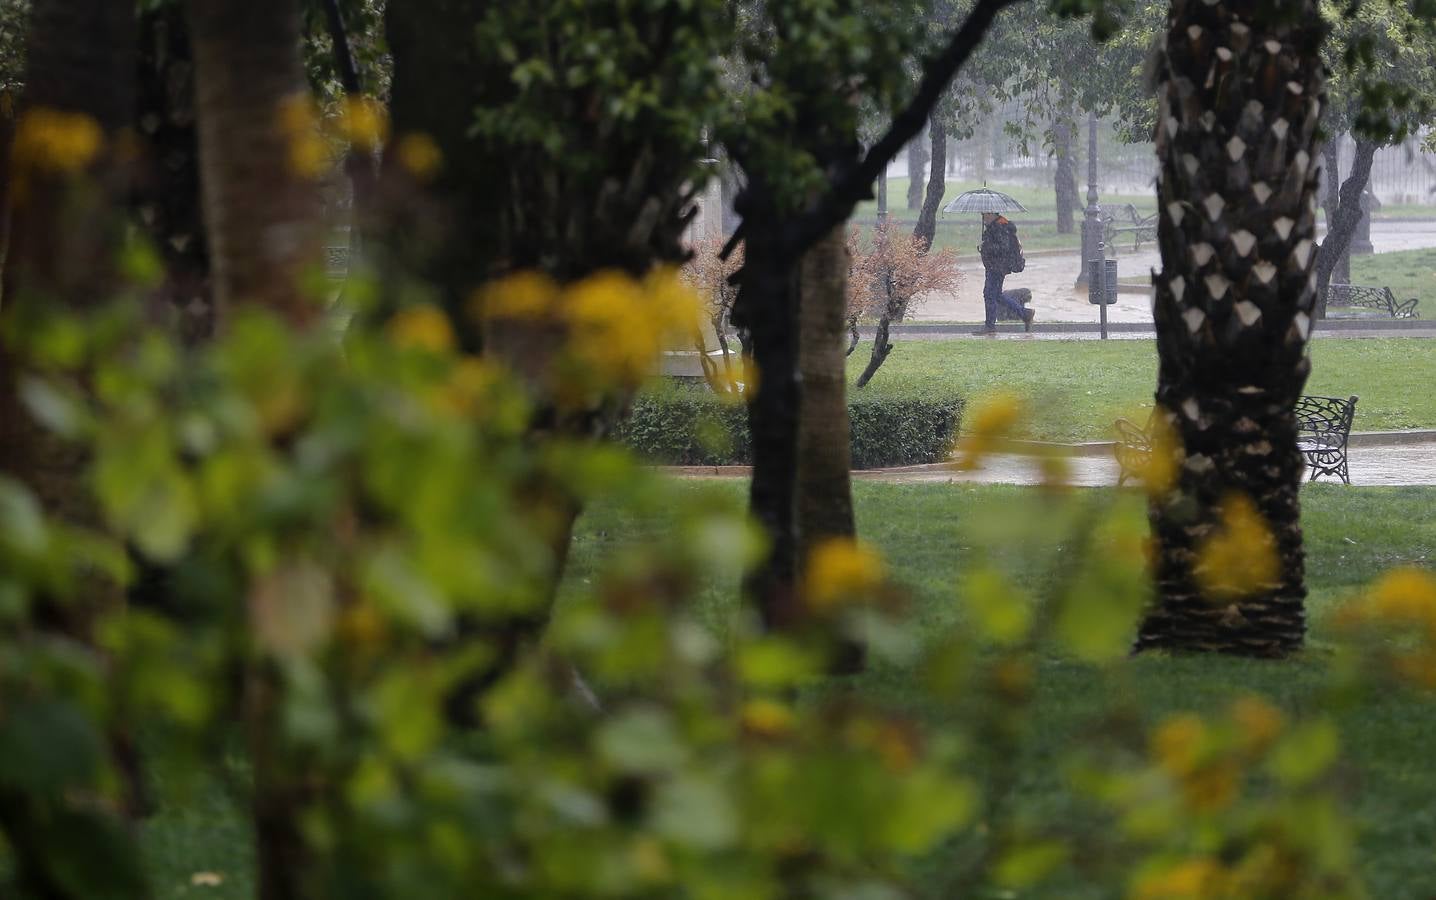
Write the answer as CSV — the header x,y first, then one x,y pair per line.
x,y
693,427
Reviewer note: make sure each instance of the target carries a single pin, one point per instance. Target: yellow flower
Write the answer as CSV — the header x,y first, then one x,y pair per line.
x,y
1240,558
422,327
615,332
419,155
54,140
986,425
1191,879
1159,472
1177,743
1257,721
767,718
1407,594
523,295
841,569
470,379
363,122
676,306
299,123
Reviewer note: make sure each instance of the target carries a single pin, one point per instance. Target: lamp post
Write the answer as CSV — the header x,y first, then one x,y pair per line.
x,y
1092,218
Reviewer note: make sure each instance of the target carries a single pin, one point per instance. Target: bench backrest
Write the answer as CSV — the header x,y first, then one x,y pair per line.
x,y
1325,415
1358,295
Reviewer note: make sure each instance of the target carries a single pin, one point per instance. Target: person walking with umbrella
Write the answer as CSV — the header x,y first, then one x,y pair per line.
x,y
1001,253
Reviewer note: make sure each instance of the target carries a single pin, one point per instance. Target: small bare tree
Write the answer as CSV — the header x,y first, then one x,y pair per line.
x,y
711,276
891,273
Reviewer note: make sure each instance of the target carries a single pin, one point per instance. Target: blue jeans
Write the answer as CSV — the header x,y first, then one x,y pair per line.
x,y
992,298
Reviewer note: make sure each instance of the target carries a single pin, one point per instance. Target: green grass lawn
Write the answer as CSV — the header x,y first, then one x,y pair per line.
x,y
1409,273
932,533
1076,388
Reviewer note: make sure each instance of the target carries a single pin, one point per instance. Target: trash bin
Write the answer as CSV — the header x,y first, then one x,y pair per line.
x,y
1101,281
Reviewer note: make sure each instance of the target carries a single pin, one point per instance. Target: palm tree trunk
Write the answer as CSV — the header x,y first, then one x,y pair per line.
x,y
1342,219
926,228
1240,92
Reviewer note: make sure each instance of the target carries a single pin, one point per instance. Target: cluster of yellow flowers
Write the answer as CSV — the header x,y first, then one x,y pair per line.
x,y
613,326
1239,558
841,570
314,139
986,426
1403,601
1207,761
55,141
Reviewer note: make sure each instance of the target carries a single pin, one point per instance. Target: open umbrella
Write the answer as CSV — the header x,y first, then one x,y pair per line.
x,y
984,200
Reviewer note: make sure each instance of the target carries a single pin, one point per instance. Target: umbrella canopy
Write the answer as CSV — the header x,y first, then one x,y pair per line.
x,y
984,200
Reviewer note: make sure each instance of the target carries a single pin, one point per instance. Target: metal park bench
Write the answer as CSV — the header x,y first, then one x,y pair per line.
x,y
1323,426
1368,297
1123,220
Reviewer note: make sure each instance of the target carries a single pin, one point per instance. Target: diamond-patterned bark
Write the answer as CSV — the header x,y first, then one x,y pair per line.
x,y
1241,87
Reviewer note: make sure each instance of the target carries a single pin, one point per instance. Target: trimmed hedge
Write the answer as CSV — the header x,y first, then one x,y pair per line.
x,y
689,426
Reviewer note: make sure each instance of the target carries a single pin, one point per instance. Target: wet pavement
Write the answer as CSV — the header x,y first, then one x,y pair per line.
x,y
1051,279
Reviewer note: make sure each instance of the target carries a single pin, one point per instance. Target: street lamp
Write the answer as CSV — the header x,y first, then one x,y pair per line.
x,y
1092,218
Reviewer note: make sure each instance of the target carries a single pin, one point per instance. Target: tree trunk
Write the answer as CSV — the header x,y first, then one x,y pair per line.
x,y
1065,183
1340,227
767,308
926,228
825,505
1330,201
916,166
261,214
167,198
1236,147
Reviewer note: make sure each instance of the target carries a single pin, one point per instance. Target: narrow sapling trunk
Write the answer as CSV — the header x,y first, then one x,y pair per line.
x,y
926,228
1240,88
1334,252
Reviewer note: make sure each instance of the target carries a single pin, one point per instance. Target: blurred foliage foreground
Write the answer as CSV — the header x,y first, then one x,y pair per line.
x,y
344,528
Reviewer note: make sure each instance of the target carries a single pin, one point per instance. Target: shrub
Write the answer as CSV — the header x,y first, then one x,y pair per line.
x,y
689,426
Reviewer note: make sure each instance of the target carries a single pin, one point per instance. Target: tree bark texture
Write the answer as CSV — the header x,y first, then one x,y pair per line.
x,y
1240,90
261,217
1330,200
260,213
916,166
65,229
167,195
825,505
768,308
1335,250
1065,183
926,228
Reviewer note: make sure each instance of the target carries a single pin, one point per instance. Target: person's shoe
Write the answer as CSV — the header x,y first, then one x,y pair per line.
x,y
1027,316
986,331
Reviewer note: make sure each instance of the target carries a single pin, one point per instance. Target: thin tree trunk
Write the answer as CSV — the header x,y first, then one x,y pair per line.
x,y
65,234
825,506
1342,226
260,212
1331,199
261,216
767,308
1233,306
1065,182
916,166
926,228
168,196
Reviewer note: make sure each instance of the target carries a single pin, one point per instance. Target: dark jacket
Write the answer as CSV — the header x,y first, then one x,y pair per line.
x,y
1000,249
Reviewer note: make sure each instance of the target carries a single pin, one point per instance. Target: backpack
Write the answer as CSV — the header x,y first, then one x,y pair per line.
x,y
1018,261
